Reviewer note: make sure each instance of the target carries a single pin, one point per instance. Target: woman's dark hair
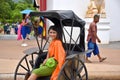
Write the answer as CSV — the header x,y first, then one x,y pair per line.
x,y
23,16
58,29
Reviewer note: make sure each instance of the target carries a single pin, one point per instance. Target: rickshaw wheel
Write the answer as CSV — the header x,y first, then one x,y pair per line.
x,y
73,69
25,66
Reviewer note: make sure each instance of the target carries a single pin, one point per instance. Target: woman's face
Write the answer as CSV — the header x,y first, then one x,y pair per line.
x,y
52,34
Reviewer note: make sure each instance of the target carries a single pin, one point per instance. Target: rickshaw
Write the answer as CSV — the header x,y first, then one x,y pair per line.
x,y
73,34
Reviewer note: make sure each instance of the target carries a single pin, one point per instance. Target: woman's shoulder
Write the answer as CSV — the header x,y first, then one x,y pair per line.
x,y
57,42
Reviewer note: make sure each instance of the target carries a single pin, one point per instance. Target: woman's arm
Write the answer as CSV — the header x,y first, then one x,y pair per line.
x,y
46,59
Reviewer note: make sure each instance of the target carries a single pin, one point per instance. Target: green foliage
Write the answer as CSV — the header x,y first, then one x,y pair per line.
x,y
28,1
10,10
11,3
5,10
16,16
1,26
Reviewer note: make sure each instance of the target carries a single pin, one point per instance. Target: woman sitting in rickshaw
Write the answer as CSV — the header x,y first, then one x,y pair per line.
x,y
55,57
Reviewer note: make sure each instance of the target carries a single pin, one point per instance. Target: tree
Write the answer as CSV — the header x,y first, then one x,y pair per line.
x,y
5,11
28,1
11,3
6,6
10,10
16,16
21,6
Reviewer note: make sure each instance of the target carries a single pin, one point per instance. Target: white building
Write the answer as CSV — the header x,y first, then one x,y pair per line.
x,y
108,28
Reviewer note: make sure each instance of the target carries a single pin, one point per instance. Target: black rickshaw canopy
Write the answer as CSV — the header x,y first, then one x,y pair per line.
x,y
63,18
68,17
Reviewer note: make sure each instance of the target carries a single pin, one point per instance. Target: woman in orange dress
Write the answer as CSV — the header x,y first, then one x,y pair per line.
x,y
56,51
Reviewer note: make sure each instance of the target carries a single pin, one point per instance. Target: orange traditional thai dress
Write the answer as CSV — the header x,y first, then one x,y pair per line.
x,y
57,51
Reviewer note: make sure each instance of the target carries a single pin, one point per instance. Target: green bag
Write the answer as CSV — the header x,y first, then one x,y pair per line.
x,y
47,69
51,62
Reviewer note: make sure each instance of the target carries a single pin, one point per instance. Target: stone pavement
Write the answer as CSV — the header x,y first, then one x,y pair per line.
x,y
11,52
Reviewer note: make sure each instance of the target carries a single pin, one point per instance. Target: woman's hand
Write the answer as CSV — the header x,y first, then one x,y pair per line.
x,y
44,62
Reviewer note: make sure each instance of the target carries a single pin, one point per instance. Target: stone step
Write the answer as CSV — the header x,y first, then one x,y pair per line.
x,y
11,37
2,37
94,76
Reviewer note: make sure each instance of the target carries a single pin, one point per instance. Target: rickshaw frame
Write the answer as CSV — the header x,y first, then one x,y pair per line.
x,y
61,18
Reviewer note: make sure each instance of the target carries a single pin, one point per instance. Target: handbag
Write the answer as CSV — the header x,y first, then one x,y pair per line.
x,y
47,69
51,62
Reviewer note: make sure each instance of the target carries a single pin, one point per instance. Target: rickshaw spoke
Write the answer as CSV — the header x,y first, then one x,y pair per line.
x,y
74,70
24,67
20,73
27,64
81,71
83,75
65,75
69,68
32,60
45,43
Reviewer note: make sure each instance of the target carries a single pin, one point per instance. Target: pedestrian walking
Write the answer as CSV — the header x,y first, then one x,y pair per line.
x,y
92,38
26,29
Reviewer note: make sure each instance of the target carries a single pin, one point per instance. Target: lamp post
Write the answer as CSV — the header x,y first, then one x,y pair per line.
x,y
42,5
43,8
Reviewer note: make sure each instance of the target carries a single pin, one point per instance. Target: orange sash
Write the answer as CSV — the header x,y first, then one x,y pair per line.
x,y
57,51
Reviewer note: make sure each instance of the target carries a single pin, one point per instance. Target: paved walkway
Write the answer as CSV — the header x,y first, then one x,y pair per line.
x,y
11,52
